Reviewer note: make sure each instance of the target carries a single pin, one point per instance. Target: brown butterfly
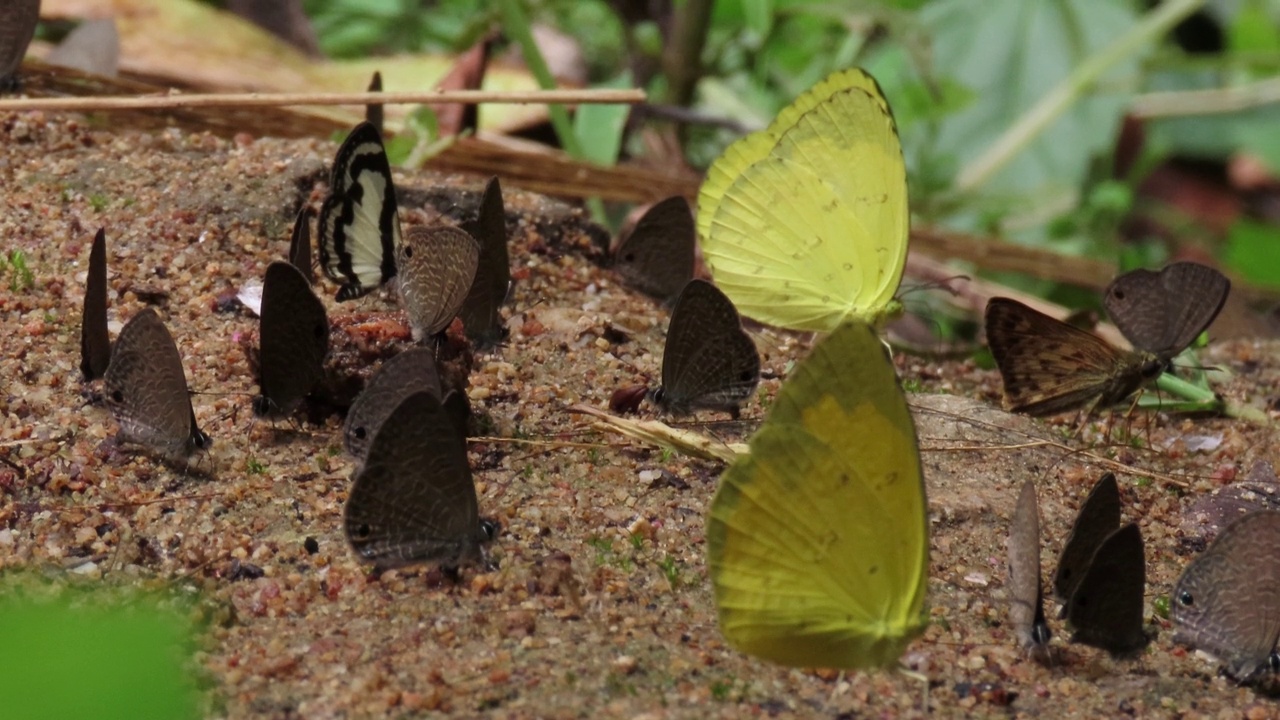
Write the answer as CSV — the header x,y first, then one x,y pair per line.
x,y
1049,366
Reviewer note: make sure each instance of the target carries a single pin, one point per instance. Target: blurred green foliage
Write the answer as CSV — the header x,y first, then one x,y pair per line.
x,y
93,652
959,75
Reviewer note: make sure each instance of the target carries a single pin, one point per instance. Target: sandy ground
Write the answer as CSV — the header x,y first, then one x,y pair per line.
x,y
600,605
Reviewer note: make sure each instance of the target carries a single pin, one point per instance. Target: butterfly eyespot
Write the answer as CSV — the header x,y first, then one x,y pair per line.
x,y
117,396
1186,599
629,257
408,251
321,331
359,433
363,531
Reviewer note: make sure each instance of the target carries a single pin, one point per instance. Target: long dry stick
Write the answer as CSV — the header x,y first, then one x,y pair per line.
x,y
183,100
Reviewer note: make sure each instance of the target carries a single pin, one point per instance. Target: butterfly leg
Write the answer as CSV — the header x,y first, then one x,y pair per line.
x,y
1082,420
1128,421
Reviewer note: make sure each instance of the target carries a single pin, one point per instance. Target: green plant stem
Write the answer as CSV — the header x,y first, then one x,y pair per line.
x,y
516,25
1050,107
682,57
1202,399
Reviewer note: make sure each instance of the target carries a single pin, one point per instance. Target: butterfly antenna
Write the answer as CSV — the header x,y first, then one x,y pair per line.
x,y
944,284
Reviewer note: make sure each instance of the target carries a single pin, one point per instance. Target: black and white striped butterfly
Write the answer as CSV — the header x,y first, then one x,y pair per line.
x,y
359,226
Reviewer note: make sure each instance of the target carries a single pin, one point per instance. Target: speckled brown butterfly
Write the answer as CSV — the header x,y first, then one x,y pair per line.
x,y
1049,366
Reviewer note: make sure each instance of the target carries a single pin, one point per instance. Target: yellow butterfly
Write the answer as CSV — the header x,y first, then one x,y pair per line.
x,y
817,541
804,224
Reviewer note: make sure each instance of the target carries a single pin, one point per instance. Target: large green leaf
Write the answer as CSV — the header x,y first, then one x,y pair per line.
x,y
1009,54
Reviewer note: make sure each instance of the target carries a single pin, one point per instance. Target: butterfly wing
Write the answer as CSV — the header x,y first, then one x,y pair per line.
x,y
1227,601
805,224
413,499
373,113
1163,312
294,340
1048,366
300,245
146,389
709,361
817,542
1106,608
413,370
437,265
18,21
657,258
95,341
1026,598
488,291
1098,518
359,226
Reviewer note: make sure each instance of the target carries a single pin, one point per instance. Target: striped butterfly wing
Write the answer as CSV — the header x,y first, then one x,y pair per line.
x,y
359,225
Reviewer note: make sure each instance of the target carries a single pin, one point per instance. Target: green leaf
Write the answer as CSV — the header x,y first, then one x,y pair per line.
x,y
1009,54
758,15
1251,252
599,127
1253,29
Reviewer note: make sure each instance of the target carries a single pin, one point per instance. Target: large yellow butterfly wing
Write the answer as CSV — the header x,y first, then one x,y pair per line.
x,y
817,543
804,224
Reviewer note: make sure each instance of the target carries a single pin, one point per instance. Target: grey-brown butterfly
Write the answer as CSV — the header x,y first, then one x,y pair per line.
x,y
1048,366
18,19
411,371
436,265
300,245
488,291
1163,312
413,499
1227,601
95,341
709,361
146,389
1101,575
1098,517
1026,592
657,257
293,340
1106,609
